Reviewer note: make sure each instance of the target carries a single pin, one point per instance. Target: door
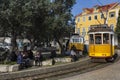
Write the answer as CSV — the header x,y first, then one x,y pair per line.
x,y
91,45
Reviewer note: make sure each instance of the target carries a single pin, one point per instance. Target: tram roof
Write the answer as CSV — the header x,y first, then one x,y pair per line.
x,y
76,34
100,28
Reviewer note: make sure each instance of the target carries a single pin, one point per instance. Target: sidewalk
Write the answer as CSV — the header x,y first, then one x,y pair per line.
x,y
39,70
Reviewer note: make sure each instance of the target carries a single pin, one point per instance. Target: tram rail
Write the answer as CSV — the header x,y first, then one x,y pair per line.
x,y
56,72
84,66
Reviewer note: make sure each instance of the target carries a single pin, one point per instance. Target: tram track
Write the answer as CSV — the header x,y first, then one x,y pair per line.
x,y
85,67
58,71
76,70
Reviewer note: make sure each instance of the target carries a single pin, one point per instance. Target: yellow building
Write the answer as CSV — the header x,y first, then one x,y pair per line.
x,y
97,15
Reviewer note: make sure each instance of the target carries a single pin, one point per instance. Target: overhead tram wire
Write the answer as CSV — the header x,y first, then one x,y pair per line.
x,y
100,2
105,18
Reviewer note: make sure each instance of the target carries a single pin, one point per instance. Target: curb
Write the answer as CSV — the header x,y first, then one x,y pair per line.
x,y
40,71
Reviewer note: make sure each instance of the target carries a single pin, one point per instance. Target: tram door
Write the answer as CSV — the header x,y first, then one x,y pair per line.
x,y
98,44
91,45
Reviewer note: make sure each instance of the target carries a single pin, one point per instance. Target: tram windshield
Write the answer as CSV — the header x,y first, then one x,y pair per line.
x,y
99,38
76,40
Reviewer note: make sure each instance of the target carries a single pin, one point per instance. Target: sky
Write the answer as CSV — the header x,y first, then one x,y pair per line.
x,y
80,4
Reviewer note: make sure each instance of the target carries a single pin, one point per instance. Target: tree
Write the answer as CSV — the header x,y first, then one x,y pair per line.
x,y
117,30
36,32
23,17
36,20
12,18
60,16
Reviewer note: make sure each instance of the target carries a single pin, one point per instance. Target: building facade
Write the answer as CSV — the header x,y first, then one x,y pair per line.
x,y
106,14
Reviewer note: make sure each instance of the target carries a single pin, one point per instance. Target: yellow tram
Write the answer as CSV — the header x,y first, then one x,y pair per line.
x,y
77,41
102,42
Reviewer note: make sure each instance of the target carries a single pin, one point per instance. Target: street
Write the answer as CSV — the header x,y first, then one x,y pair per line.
x,y
111,72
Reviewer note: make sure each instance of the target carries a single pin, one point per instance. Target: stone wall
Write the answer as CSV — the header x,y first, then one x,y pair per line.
x,y
12,68
9,68
40,71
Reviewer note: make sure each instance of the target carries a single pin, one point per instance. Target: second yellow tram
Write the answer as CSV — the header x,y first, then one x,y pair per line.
x,y
77,41
102,42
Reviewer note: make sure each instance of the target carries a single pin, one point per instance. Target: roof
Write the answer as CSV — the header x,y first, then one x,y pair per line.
x,y
100,28
75,34
107,7
78,15
101,8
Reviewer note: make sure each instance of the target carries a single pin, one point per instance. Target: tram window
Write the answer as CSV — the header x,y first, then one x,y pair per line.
x,y
111,39
76,40
81,40
106,38
98,39
91,39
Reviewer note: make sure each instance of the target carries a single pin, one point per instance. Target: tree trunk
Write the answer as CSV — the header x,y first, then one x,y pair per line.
x,y
61,47
13,43
32,43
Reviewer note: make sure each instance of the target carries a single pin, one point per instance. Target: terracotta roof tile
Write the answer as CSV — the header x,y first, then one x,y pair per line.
x,y
102,8
106,7
78,15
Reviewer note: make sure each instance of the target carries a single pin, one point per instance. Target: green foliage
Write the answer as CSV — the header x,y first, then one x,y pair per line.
x,y
117,30
61,10
37,20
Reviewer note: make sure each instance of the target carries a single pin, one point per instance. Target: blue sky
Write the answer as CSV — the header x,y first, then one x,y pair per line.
x,y
80,4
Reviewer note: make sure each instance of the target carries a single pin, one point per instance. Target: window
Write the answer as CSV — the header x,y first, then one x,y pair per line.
x,y
111,37
88,28
112,26
102,16
83,32
83,19
91,39
95,17
78,19
98,39
81,40
89,18
105,38
78,30
112,14
76,40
